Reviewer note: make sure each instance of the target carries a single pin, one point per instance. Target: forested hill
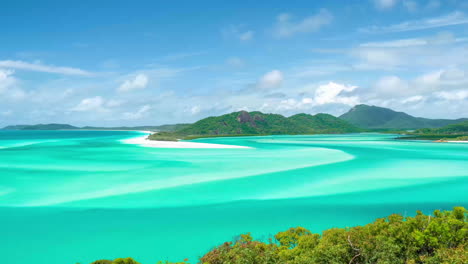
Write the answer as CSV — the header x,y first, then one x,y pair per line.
x,y
374,117
459,128
258,123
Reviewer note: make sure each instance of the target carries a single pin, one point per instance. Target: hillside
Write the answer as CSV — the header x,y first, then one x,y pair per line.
x,y
374,117
257,123
459,128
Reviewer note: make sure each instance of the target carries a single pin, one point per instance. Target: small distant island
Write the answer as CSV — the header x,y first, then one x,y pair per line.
x,y
171,127
360,118
432,239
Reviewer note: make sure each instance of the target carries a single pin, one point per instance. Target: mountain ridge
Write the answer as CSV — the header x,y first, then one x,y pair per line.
x,y
375,117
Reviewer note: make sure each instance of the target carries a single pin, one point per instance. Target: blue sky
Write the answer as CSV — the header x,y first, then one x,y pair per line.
x,y
156,62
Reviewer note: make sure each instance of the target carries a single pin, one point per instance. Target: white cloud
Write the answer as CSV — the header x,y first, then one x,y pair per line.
x,y
384,4
453,95
451,19
433,51
245,36
139,82
140,113
9,86
334,93
413,99
399,43
90,104
272,79
285,27
39,67
6,80
195,110
391,85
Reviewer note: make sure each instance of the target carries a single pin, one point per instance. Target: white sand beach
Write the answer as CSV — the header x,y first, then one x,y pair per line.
x,y
143,141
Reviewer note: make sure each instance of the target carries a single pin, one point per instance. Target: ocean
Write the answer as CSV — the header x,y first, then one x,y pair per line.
x,y
78,196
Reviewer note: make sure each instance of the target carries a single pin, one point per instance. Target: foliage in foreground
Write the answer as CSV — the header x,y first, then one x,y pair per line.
x,y
432,239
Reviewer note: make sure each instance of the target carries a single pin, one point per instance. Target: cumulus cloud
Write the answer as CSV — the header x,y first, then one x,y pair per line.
x,y
6,80
140,81
9,87
384,4
285,27
413,99
335,93
453,95
39,67
195,110
90,104
272,79
391,85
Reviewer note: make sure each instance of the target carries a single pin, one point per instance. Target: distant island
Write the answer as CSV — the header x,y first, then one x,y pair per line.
x,y
453,132
431,239
360,118
172,127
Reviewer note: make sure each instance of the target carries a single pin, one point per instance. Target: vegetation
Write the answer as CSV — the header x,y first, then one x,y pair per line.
x,y
432,239
459,128
373,117
256,123
453,132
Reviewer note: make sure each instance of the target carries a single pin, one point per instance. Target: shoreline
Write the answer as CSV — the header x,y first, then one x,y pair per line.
x,y
145,142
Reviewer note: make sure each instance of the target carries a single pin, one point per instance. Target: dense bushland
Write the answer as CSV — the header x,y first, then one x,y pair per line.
x,y
433,239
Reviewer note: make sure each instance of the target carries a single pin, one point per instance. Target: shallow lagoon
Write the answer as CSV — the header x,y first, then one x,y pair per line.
x,y
77,196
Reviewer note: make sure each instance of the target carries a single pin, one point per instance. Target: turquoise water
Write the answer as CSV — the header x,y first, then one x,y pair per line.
x,y
78,196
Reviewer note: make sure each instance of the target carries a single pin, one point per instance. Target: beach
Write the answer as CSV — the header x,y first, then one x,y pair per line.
x,y
145,142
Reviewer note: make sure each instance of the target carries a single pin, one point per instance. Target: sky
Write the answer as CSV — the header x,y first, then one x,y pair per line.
x,y
112,63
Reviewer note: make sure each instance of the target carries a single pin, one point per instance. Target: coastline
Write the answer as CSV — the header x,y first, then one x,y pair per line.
x,y
145,142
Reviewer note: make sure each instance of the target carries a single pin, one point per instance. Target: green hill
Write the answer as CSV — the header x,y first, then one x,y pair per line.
x,y
374,117
257,123
323,123
459,128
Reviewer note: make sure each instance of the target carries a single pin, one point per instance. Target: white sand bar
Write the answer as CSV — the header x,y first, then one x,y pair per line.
x,y
143,141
